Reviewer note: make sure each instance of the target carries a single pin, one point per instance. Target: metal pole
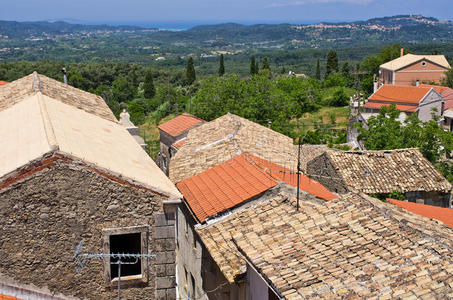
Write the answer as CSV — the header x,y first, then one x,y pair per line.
x,y
119,278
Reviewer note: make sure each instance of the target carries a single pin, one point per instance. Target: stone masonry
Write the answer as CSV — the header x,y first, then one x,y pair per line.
x,y
45,212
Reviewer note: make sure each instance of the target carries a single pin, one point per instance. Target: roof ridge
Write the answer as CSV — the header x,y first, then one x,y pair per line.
x,y
36,83
48,126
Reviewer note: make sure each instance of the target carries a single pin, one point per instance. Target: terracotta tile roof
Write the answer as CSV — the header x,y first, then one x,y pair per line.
x,y
3,82
224,186
409,59
5,297
290,177
180,124
224,138
443,214
179,143
39,125
387,170
399,94
354,246
20,89
409,108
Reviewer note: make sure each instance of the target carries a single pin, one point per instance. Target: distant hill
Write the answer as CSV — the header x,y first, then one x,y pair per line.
x,y
74,42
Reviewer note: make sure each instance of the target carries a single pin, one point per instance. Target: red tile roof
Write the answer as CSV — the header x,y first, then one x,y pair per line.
x,y
179,143
442,214
5,297
438,88
180,124
400,107
290,177
224,186
3,83
400,94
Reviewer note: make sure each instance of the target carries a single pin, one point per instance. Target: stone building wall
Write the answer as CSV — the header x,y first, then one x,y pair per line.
x,y
322,170
43,217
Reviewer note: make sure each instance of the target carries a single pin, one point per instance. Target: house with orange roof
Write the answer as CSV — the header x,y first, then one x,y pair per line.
x,y
3,82
172,135
410,69
423,101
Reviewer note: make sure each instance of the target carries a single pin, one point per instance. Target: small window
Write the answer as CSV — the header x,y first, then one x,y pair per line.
x,y
127,240
125,243
423,63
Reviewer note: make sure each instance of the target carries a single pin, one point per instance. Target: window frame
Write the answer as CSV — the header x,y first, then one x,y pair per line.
x,y
144,237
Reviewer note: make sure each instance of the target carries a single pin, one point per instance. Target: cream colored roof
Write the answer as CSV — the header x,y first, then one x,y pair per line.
x,y
18,90
409,59
40,124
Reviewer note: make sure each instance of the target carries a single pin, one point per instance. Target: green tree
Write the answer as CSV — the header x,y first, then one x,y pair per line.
x,y
123,90
253,70
148,86
221,66
448,81
340,98
332,63
318,71
345,70
137,112
257,68
190,72
265,64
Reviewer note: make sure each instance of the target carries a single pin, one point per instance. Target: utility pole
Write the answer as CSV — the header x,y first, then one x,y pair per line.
x,y
357,80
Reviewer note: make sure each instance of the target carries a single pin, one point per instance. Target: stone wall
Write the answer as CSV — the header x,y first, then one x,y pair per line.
x,y
45,215
322,170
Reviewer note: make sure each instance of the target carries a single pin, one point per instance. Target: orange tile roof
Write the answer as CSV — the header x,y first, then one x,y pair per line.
x,y
3,83
445,215
290,177
179,143
224,186
400,94
5,297
438,88
179,124
398,106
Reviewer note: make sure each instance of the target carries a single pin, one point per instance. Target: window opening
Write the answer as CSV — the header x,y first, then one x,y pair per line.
x,y
125,243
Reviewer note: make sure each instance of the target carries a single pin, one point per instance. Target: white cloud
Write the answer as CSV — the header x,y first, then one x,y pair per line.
x,y
302,2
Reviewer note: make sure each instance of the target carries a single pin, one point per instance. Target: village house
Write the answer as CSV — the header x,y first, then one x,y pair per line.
x,y
411,69
381,173
447,97
354,247
172,136
218,175
423,101
70,173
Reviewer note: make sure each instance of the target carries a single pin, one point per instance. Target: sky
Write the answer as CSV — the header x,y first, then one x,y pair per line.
x,y
142,12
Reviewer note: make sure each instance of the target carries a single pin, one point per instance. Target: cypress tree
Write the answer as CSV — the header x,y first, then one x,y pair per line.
x,y
318,71
221,66
252,65
257,68
190,72
345,70
332,63
148,86
265,64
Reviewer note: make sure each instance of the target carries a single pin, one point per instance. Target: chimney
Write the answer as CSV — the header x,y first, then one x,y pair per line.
x,y
375,84
64,75
402,51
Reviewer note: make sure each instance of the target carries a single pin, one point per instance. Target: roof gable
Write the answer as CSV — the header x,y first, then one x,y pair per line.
x,y
180,124
409,59
20,89
39,124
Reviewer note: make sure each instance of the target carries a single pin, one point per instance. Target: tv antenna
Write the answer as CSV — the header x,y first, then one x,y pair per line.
x,y
81,259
